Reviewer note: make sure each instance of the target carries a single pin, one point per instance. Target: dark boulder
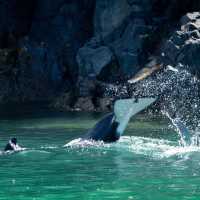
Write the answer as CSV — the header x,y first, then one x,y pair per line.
x,y
184,44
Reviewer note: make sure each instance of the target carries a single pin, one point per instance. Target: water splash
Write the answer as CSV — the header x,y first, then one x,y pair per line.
x,y
156,148
177,91
153,148
82,143
184,133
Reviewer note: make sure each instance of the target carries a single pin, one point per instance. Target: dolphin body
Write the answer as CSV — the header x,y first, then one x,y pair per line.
x,y
112,126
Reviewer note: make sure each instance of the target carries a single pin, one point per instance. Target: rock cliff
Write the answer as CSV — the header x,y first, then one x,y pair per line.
x,y
68,51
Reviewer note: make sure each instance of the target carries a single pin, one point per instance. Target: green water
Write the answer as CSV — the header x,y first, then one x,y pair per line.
x,y
146,164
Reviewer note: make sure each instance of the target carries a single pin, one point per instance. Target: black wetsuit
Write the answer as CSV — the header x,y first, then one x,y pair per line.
x,y
9,147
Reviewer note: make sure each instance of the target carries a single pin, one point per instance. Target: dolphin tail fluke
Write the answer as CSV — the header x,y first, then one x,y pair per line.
x,y
112,126
124,109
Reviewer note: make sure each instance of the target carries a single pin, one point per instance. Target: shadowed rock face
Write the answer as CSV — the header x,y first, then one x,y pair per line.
x,y
47,35
58,43
184,44
17,16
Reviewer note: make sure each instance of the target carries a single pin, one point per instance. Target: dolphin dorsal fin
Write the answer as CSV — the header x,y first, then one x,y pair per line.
x,y
124,109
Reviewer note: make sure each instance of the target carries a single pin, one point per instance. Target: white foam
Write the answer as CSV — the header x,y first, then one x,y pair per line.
x,y
83,143
49,147
154,148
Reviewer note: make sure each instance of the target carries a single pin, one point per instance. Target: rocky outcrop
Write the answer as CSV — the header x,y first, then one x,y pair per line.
x,y
92,60
184,44
119,30
48,35
72,49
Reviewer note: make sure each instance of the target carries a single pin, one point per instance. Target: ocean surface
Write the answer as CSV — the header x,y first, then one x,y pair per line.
x,y
146,164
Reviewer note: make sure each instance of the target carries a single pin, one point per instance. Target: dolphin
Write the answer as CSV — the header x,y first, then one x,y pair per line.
x,y
112,126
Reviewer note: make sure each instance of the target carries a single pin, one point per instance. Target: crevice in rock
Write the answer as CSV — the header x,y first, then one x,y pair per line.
x,y
22,11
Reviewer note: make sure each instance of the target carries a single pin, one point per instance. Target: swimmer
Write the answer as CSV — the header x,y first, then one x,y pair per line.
x,y
13,146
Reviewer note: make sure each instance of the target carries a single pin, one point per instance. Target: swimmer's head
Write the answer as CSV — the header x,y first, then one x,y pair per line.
x,y
14,140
